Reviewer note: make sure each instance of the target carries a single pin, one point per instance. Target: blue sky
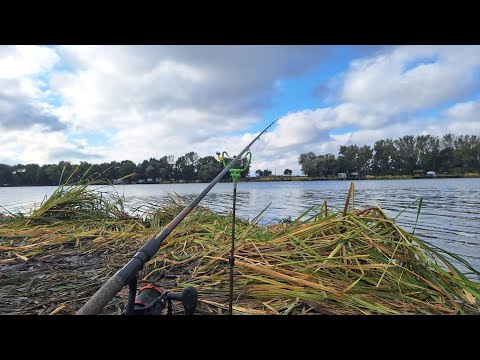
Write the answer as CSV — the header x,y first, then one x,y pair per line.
x,y
104,103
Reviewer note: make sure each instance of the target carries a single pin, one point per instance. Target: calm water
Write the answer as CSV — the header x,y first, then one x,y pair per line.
x,y
450,216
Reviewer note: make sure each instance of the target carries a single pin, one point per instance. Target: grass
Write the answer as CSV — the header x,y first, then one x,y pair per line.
x,y
327,261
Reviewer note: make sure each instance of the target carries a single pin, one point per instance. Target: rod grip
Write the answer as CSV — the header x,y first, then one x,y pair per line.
x,y
103,295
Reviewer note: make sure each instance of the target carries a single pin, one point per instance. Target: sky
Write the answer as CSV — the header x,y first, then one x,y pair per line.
x,y
103,103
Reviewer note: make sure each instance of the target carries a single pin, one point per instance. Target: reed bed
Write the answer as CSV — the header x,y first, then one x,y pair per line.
x,y
327,261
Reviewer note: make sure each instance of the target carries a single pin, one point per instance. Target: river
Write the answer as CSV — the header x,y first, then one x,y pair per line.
x,y
449,218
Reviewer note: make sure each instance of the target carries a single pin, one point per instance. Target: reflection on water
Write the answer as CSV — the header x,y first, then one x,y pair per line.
x,y
450,216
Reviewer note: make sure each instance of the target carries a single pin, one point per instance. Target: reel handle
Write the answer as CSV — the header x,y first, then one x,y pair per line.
x,y
188,297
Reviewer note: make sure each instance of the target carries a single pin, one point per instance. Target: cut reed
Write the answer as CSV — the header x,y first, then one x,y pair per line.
x,y
324,262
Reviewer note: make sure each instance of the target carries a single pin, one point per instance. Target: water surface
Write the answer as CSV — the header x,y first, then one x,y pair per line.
x,y
450,216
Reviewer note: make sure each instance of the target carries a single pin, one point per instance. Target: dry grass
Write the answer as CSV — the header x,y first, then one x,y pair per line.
x,y
347,262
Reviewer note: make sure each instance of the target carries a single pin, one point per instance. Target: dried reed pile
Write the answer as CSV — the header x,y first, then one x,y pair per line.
x,y
327,261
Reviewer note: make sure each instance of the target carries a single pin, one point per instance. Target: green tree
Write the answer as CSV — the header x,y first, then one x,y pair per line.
x,y
347,158
113,172
308,163
127,167
428,152
364,159
6,176
466,154
405,156
185,166
207,168
382,163
165,167
142,169
42,178
53,174
326,165
31,171
447,153
152,171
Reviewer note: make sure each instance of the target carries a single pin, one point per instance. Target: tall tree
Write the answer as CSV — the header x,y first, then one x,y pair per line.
x,y
308,163
405,156
127,167
447,153
6,176
383,157
186,166
207,168
326,165
31,171
364,159
347,159
165,167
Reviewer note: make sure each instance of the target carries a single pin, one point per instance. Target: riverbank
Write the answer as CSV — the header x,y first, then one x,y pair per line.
x,y
286,178
324,262
367,177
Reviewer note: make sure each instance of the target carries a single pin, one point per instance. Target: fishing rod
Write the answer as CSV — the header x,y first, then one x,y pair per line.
x,y
128,274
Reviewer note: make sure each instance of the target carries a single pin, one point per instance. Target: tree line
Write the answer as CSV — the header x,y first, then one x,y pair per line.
x,y
446,154
189,167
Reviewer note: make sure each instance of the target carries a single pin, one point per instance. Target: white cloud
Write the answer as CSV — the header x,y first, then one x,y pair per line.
x,y
386,81
25,60
380,95
112,84
159,100
34,145
22,99
468,111
464,118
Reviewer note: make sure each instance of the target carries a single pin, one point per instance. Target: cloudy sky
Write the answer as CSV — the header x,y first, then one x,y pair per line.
x,y
104,103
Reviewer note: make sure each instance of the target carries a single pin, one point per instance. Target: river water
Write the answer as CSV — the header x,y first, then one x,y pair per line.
x,y
449,218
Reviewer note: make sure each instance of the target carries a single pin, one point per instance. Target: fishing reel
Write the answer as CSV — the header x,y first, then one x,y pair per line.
x,y
151,300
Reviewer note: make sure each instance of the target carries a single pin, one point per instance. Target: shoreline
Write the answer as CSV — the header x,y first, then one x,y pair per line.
x,y
289,178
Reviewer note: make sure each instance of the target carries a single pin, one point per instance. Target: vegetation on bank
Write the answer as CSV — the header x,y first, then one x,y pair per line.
x,y
367,177
450,155
327,261
187,168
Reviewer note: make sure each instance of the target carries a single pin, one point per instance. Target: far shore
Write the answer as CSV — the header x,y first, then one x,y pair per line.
x,y
367,177
292,178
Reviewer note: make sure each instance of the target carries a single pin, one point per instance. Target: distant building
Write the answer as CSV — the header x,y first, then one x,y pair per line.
x,y
418,173
342,176
141,181
118,181
431,174
149,180
354,175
